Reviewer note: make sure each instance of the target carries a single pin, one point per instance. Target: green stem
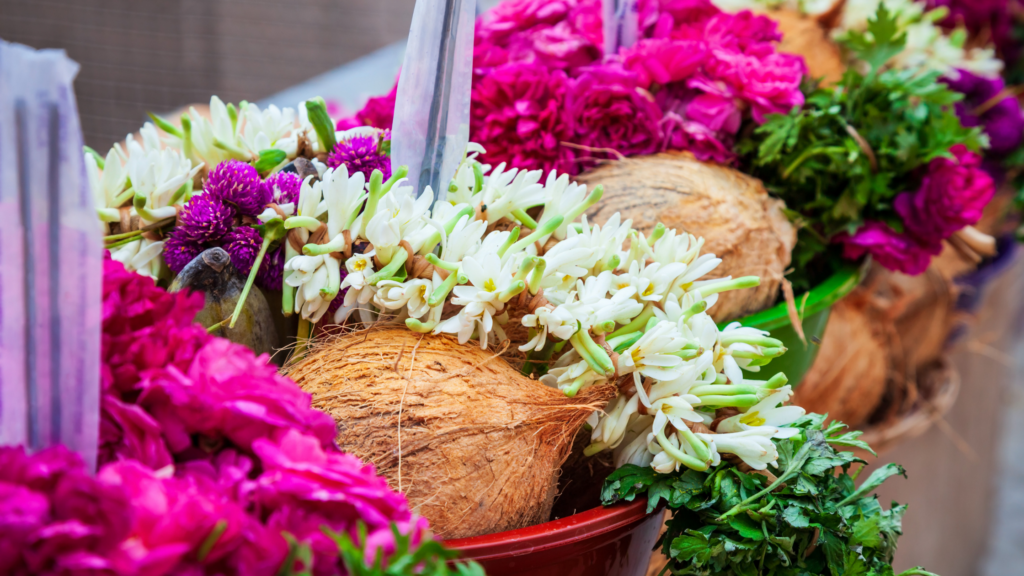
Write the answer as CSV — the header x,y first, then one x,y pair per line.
x,y
449,266
637,323
734,284
776,382
101,163
388,271
544,229
593,198
729,338
336,245
164,125
594,355
514,289
123,197
437,297
594,448
723,390
676,454
421,327
250,280
317,113
524,218
211,540
739,401
536,275
620,343
186,137
513,235
703,454
525,267
307,222
809,154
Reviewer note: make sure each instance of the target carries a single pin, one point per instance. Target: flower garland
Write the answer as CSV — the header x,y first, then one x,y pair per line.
x,y
603,303
544,96
210,463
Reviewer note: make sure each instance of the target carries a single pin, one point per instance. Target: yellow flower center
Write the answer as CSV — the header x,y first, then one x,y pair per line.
x,y
423,290
635,355
752,419
359,265
490,286
649,290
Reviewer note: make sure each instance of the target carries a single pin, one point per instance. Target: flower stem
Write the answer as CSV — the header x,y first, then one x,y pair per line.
x,y
544,229
388,271
725,285
739,401
524,218
536,276
513,235
441,292
637,324
250,280
593,198
676,454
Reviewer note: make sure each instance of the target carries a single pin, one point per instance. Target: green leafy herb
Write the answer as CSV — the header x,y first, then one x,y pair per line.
x,y
843,157
811,519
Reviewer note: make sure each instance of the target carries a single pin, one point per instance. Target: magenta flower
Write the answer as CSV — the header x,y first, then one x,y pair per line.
x,y
238,185
662,60
703,123
204,218
180,250
609,111
282,188
228,394
952,195
144,327
768,82
1002,122
378,112
899,252
306,486
55,517
243,245
127,432
517,116
360,154
179,523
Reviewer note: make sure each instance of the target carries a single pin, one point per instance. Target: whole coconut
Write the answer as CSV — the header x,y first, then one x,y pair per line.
x,y
474,445
806,36
739,222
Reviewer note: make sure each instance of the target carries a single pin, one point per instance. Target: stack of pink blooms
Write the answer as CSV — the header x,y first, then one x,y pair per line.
x,y
541,80
210,463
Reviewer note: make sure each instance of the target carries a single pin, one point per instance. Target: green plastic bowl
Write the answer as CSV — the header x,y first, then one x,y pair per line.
x,y
814,313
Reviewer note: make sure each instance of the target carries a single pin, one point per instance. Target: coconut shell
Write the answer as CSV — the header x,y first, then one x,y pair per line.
x,y
849,375
474,445
806,36
739,222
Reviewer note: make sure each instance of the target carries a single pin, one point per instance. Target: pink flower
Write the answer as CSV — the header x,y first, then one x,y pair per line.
x,y
178,521
144,327
741,31
304,486
559,34
899,252
609,110
663,60
55,517
952,195
518,116
769,82
703,123
229,394
378,112
127,432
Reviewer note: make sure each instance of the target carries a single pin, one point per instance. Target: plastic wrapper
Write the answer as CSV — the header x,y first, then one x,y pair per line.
x,y
50,259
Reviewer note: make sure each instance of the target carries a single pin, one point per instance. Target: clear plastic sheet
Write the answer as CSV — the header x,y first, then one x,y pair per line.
x,y
51,264
431,126
620,24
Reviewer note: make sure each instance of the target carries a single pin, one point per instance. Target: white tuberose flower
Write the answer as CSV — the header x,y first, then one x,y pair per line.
x,y
767,413
480,302
753,446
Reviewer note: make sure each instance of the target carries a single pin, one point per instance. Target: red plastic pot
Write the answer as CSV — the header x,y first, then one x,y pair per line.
x,y
613,541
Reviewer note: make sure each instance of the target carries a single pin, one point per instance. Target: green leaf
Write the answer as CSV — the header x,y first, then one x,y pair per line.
x,y
269,159
691,547
746,527
796,517
874,481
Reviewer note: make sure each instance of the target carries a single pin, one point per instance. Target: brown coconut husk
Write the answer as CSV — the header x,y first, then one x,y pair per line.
x,y
474,445
849,376
808,37
739,222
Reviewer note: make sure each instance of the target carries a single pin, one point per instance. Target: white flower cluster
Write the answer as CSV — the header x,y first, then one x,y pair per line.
x,y
143,181
149,180
928,47
608,303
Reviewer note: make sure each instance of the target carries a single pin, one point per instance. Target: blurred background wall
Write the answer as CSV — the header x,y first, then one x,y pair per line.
x,y
139,56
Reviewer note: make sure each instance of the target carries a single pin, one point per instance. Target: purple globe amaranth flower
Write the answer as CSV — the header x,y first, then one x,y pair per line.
x,y
360,154
952,195
895,251
204,218
179,250
238,184
243,245
1002,121
282,188
271,273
